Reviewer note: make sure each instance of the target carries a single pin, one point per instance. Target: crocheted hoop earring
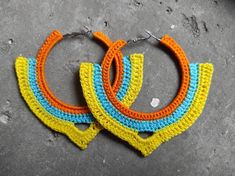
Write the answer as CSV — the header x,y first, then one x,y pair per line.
x,y
166,123
58,115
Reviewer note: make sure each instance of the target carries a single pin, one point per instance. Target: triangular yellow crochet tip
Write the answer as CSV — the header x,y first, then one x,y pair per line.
x,y
147,145
79,137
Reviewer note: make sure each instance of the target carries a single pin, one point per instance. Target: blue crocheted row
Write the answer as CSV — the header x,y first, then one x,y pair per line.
x,y
76,118
126,78
141,125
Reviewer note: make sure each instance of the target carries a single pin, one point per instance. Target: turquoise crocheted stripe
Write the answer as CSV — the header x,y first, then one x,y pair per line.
x,y
140,125
76,118
126,78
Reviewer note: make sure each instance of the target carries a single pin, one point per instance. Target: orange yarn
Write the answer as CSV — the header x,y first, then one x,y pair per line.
x,y
49,43
118,60
184,65
114,52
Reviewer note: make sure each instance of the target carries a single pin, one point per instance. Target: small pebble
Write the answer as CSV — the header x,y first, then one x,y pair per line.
x,y
155,102
4,118
10,41
172,26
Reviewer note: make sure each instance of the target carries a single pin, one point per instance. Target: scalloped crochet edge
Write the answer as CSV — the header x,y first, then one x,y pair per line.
x,y
79,137
148,145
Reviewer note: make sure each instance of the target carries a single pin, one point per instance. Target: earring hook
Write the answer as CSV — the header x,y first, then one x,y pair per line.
x,y
138,39
88,31
151,34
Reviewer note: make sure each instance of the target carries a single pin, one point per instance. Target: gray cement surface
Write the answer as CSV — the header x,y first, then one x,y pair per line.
x,y
204,28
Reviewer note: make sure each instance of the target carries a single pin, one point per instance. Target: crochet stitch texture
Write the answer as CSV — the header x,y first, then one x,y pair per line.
x,y
62,121
185,77
125,126
58,115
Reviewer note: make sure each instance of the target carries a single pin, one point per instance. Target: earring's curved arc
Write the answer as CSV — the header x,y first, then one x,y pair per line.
x,y
63,110
52,117
148,145
67,112
141,125
49,43
129,70
118,75
80,138
61,114
184,65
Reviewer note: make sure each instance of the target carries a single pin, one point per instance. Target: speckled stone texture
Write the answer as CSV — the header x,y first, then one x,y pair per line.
x,y
204,28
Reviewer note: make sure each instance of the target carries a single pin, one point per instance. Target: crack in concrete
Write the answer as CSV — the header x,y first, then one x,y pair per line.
x,y
191,24
169,10
6,112
205,26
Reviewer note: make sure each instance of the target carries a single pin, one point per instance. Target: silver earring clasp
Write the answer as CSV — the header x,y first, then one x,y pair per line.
x,y
138,39
151,34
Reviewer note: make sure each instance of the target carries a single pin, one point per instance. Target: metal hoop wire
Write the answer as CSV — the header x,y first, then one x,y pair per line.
x,y
88,32
138,39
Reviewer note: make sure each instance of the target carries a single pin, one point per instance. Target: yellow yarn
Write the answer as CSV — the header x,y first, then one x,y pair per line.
x,y
137,63
79,137
146,146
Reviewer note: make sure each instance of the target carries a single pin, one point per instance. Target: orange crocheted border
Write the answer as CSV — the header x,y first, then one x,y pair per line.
x,y
49,43
169,109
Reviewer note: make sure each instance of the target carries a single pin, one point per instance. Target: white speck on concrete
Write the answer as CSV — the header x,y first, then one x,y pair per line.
x,y
10,41
104,161
155,102
4,118
172,26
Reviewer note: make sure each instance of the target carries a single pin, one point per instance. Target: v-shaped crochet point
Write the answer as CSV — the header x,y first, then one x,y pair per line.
x,y
62,121
114,117
58,115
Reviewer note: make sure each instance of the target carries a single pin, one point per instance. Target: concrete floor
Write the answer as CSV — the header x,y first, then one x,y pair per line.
x,y
204,28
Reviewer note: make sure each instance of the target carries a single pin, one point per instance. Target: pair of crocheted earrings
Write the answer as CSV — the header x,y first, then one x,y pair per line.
x,y
108,105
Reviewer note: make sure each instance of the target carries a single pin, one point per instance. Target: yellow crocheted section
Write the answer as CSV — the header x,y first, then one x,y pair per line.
x,y
136,81
148,145
79,137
